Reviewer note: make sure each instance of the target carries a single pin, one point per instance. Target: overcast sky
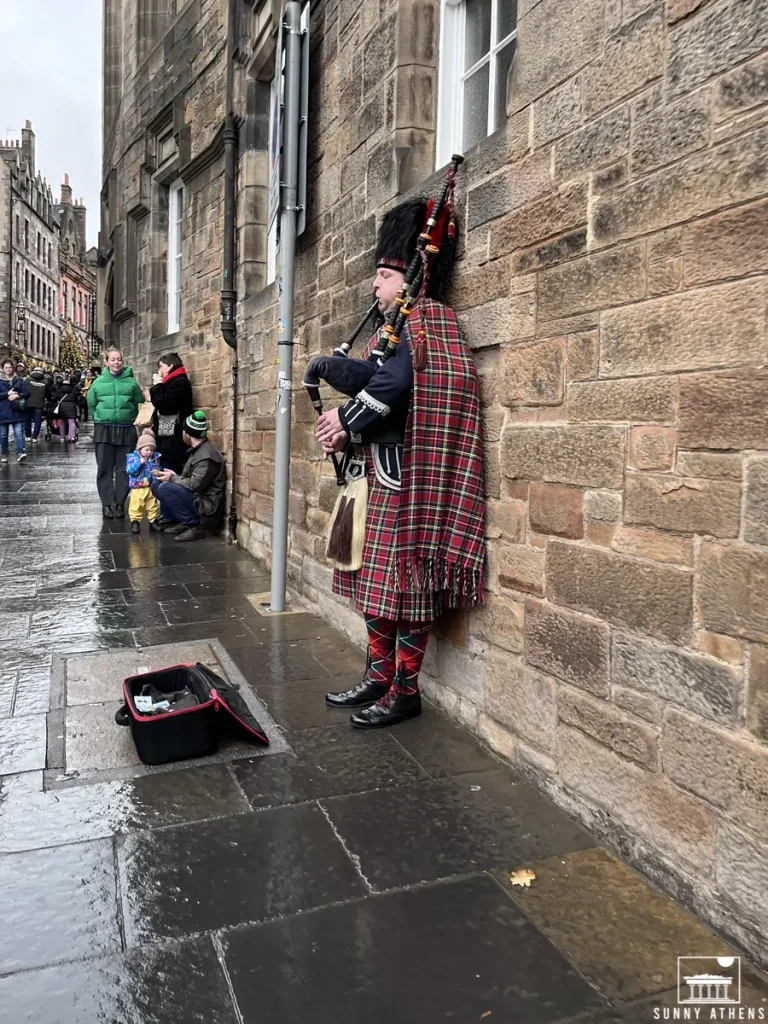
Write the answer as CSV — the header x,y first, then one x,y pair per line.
x,y
50,72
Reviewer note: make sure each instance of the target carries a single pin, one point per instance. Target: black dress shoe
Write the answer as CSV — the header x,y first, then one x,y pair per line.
x,y
162,522
366,692
191,533
135,526
119,511
106,511
154,526
394,707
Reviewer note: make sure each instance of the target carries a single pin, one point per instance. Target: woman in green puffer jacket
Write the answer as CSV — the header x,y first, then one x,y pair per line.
x,y
114,399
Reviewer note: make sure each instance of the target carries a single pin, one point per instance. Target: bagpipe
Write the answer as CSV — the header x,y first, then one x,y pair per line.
x,y
349,376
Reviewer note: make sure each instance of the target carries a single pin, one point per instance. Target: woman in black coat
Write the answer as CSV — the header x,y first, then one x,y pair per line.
x,y
65,406
172,399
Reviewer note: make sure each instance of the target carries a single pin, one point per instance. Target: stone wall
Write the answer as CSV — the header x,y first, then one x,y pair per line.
x,y
613,288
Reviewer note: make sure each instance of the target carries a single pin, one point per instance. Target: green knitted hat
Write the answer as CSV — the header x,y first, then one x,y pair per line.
x,y
196,425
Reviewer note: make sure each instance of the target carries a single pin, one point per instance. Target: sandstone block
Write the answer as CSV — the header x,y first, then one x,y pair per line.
x,y
593,282
689,188
732,592
683,504
677,9
720,326
632,58
610,177
479,285
549,254
756,509
639,400
500,740
509,189
568,646
742,872
461,672
505,320
585,456
646,803
723,769
603,506
556,510
741,89
730,244
492,470
506,519
641,705
557,113
555,39
699,684
757,693
533,374
670,133
710,465
717,40
661,547
652,447
582,356
453,627
501,622
521,568
597,144
724,410
522,699
551,215
655,599
598,719
723,647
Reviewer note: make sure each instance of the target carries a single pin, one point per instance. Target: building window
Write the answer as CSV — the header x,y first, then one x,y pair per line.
x,y
26,284
18,228
39,243
64,299
477,44
50,255
38,338
39,290
18,280
26,234
175,216
34,288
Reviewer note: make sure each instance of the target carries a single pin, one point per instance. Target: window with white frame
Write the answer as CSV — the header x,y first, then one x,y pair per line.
x,y
175,215
477,44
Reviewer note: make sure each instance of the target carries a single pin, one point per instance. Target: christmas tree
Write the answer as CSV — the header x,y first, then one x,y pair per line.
x,y
70,356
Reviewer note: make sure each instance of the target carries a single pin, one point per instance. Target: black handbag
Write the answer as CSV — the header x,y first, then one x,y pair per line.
x,y
19,404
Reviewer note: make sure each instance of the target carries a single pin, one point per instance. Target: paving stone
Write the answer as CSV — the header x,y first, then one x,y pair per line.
x,y
100,678
94,742
498,965
14,627
65,908
22,744
431,830
145,579
33,691
178,984
239,869
441,747
208,609
31,819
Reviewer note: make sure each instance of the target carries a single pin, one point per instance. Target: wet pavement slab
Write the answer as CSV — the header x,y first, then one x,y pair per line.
x,y
335,876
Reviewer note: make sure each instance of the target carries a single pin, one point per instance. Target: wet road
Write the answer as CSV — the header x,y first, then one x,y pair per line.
x,y
350,878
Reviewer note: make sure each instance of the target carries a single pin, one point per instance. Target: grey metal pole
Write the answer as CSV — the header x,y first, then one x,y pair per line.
x,y
289,168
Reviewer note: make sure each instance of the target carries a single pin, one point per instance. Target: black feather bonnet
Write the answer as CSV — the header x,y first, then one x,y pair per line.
x,y
398,235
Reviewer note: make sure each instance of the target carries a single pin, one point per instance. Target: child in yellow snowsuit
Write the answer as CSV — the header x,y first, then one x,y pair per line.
x,y
140,465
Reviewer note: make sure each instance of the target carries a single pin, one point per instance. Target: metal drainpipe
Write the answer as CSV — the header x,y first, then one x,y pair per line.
x,y
228,292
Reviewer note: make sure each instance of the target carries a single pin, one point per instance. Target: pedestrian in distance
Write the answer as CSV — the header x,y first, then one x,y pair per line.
x,y
140,465
195,495
171,395
114,399
21,372
13,398
65,410
39,392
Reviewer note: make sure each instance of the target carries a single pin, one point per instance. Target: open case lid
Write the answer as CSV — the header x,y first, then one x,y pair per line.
x,y
229,699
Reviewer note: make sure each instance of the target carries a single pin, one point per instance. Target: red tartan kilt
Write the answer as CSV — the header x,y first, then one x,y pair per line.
x,y
371,587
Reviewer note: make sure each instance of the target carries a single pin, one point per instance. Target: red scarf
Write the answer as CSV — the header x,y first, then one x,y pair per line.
x,y
440,535
178,372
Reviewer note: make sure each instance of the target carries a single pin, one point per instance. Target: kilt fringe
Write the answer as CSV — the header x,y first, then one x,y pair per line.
x,y
460,584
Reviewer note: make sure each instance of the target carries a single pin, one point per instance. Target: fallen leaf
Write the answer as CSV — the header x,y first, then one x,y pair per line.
x,y
523,877
486,1014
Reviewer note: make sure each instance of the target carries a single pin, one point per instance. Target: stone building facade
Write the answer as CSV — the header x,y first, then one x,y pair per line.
x,y
77,274
612,285
30,274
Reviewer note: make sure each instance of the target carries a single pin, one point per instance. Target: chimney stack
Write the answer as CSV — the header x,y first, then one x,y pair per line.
x,y
28,148
79,214
66,192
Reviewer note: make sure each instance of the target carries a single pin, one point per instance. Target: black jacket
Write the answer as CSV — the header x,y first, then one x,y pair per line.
x,y
65,398
173,402
39,390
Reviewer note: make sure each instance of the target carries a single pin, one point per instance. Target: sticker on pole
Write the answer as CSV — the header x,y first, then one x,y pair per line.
x,y
281,326
284,384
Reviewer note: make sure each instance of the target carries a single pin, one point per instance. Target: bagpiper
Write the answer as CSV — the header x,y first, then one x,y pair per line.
x,y
417,425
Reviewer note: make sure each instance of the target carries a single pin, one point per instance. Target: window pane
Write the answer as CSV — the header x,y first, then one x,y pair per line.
x,y
476,107
503,63
506,18
478,31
